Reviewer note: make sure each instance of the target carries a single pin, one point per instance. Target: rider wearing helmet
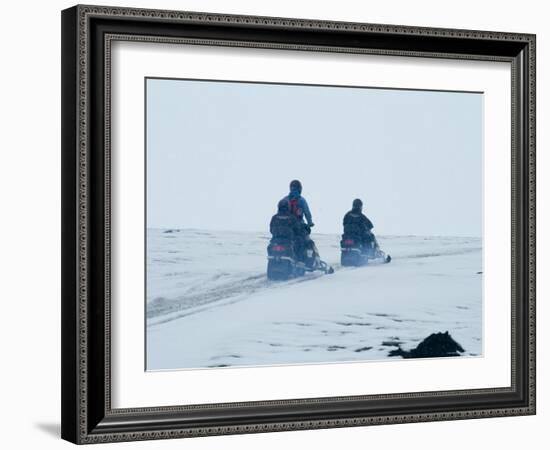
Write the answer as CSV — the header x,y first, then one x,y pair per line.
x,y
357,225
284,224
298,204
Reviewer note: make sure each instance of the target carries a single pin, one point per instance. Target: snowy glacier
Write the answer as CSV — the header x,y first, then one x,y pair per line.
x,y
209,303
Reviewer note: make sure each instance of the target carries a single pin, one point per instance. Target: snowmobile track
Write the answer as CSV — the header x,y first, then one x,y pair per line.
x,y
165,310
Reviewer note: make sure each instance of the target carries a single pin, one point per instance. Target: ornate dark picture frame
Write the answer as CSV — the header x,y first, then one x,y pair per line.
x,y
87,33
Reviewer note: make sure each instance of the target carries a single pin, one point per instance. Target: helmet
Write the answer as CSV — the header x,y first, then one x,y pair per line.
x,y
295,185
283,206
357,204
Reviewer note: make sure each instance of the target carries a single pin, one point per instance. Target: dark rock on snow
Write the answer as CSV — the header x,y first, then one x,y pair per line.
x,y
436,345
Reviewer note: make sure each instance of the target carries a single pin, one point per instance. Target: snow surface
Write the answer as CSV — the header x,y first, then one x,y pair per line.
x,y
209,303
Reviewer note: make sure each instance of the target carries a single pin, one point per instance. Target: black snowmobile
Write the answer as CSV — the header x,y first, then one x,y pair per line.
x,y
287,258
356,253
358,244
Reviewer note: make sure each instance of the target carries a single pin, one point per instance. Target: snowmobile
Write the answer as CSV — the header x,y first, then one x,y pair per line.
x,y
284,262
281,260
355,253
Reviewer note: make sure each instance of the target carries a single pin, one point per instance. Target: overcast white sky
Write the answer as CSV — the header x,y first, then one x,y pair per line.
x,y
220,155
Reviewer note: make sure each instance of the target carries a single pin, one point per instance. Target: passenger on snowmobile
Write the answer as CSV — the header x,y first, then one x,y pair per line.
x,y
359,226
284,224
283,248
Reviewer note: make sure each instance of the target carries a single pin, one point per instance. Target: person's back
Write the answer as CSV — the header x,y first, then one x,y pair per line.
x,y
356,224
298,204
284,225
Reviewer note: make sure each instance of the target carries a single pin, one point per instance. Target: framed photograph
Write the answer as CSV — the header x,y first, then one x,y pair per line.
x,y
277,224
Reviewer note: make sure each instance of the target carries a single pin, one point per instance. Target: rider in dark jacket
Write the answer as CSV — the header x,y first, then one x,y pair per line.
x,y
285,225
357,225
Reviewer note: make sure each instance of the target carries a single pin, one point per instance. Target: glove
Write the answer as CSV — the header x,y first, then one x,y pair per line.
x,y
311,225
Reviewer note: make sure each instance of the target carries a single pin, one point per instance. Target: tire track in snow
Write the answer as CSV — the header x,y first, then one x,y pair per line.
x,y
163,310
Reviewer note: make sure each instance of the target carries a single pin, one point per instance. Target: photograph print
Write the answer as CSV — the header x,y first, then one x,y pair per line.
x,y
291,224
